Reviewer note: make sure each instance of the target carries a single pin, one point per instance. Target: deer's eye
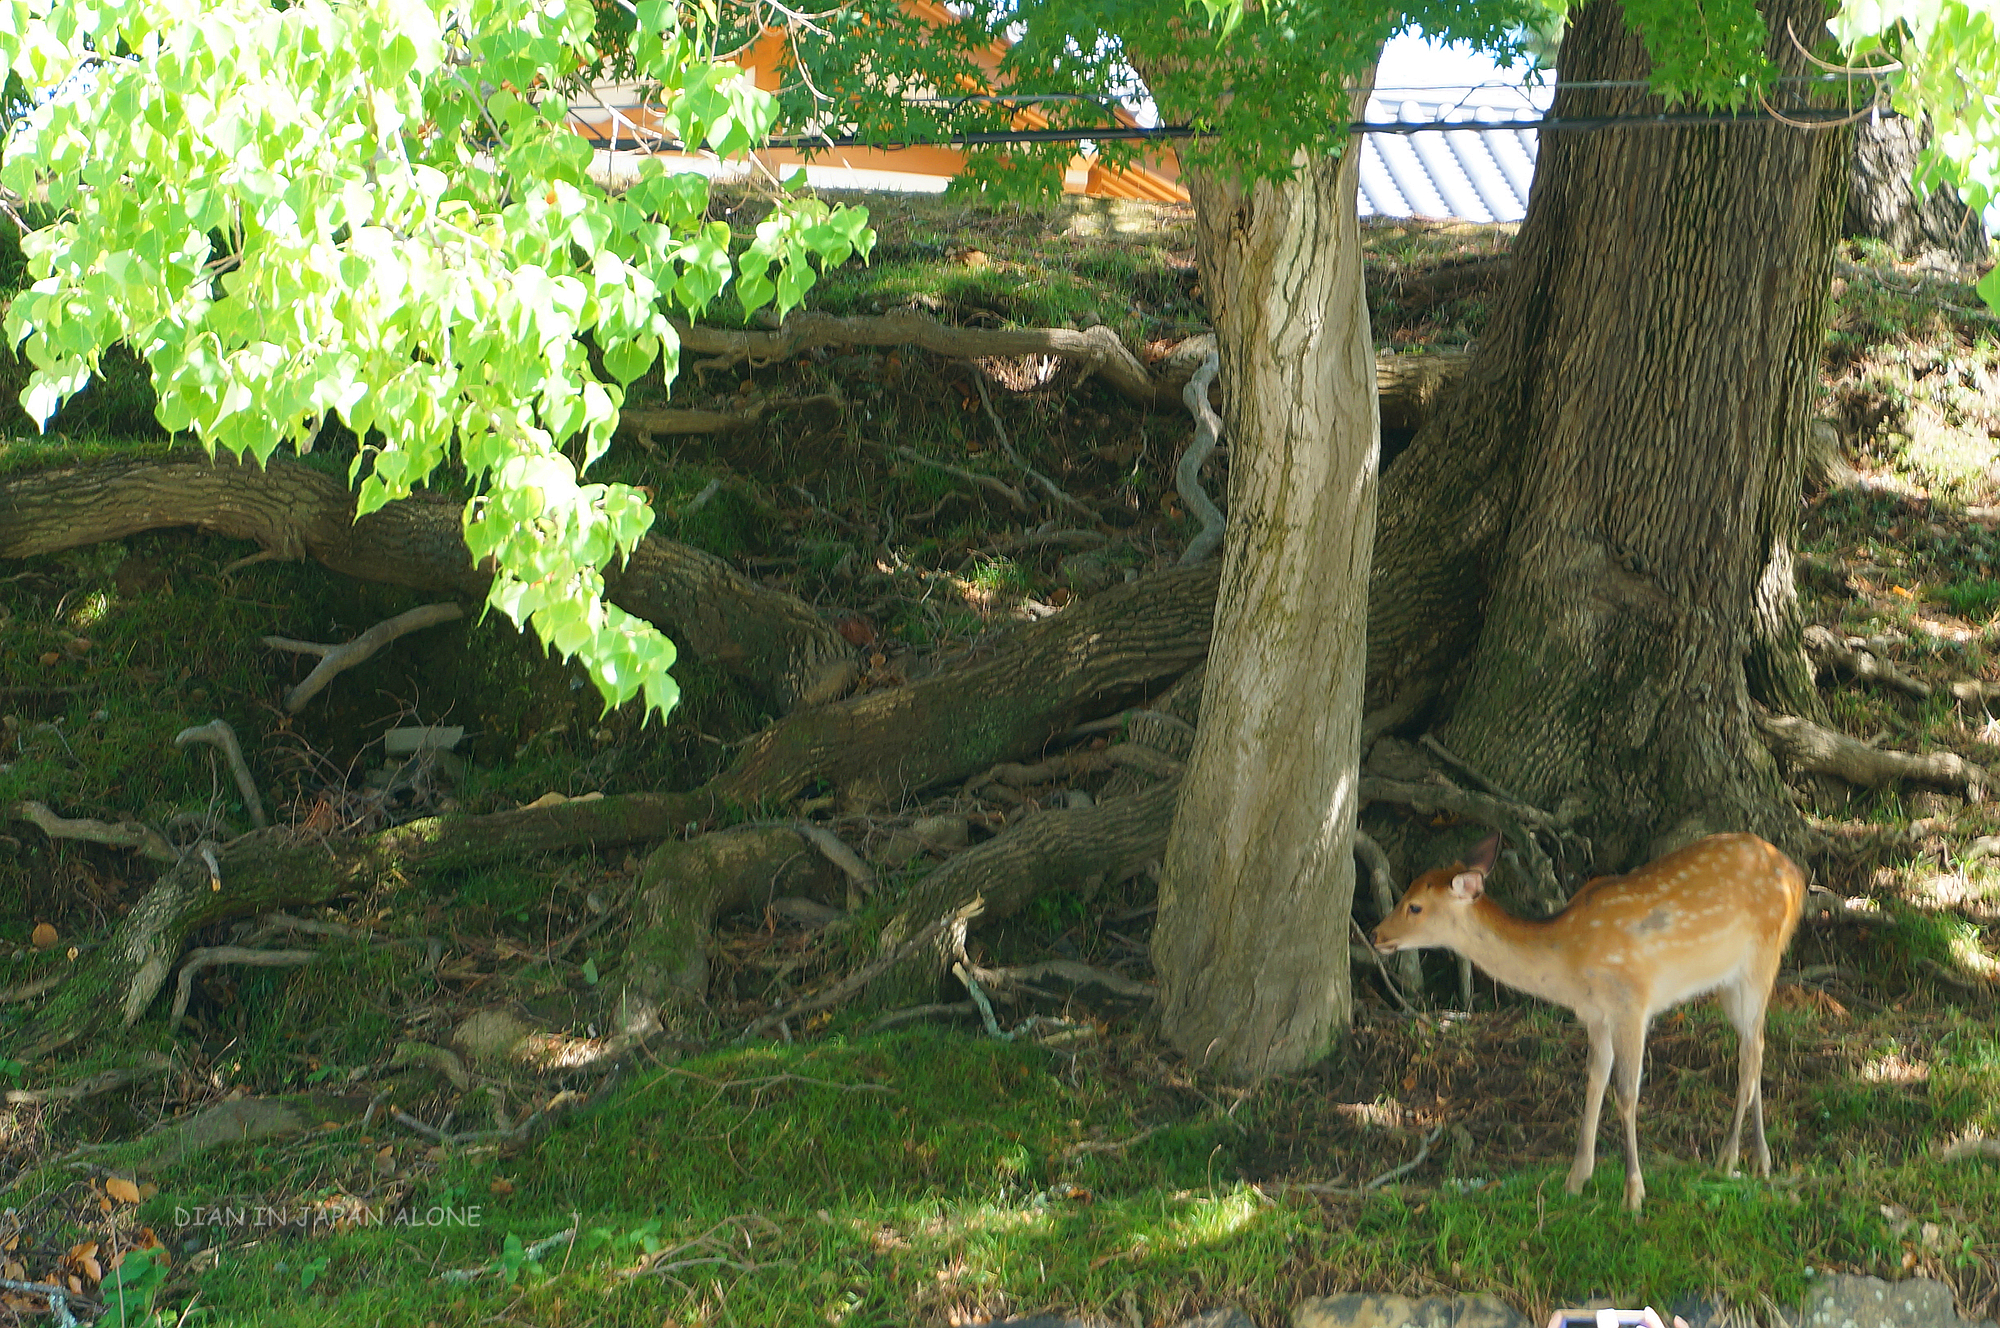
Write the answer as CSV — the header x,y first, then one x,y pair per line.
x,y
1416,909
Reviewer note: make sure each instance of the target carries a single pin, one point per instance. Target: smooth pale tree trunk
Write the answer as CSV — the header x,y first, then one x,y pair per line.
x,y
1251,942
1585,562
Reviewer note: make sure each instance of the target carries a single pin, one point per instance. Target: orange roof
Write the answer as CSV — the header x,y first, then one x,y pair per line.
x,y
1156,180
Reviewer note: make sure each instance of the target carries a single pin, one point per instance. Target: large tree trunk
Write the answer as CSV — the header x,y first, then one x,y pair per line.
x,y
1592,537
1251,943
1882,204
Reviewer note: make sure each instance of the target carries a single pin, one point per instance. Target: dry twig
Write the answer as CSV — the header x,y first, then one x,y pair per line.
x,y
989,483
215,955
95,1086
335,658
217,733
1049,486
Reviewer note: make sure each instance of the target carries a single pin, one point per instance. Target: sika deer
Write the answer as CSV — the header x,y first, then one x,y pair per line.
x,y
1714,916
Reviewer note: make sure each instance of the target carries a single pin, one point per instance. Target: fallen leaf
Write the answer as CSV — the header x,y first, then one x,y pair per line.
x,y
124,1191
44,936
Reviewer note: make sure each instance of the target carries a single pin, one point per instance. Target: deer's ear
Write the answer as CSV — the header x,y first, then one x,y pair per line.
x,y
1484,854
1468,885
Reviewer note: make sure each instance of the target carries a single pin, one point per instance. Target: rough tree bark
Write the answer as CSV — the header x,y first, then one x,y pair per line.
x,y
1881,204
1592,536
1034,684
1251,943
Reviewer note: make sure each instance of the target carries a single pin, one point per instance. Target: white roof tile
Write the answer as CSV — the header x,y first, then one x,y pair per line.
x,y
1480,173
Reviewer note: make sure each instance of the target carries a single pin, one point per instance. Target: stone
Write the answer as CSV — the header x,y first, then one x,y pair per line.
x,y
1085,572
1361,1311
942,831
1845,1301
1710,1312
1224,1316
489,1034
415,738
899,848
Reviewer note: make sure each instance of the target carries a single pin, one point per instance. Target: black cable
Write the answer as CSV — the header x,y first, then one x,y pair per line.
x,y
1562,124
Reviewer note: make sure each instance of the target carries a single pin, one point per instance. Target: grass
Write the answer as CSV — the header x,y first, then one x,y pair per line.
x,y
931,1177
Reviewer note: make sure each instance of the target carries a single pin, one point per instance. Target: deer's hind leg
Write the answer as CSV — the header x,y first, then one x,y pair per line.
x,y
1595,1079
1629,1046
1744,1001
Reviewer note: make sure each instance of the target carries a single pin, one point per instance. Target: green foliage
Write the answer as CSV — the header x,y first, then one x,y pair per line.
x,y
1710,54
375,212
129,1288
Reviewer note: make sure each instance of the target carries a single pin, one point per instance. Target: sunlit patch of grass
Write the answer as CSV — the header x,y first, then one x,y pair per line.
x,y
926,1176
1953,460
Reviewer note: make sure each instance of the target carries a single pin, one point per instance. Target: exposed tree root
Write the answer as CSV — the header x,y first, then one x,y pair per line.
x,y
219,735
1187,475
686,885
336,659
1382,880
134,835
1803,745
1836,657
215,956
108,1081
1036,684
1046,851
1098,348
642,423
1518,819
1407,385
1070,975
945,924
774,640
270,869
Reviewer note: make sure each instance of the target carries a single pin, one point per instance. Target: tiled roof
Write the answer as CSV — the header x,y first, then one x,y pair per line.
x,y
1479,173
